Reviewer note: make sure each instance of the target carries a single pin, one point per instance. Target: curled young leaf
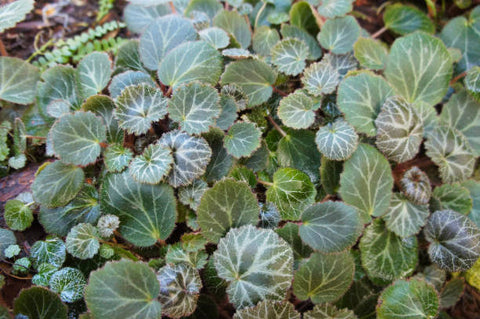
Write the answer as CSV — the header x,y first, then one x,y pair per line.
x,y
415,185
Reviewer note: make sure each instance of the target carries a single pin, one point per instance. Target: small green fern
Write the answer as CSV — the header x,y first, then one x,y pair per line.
x,y
104,6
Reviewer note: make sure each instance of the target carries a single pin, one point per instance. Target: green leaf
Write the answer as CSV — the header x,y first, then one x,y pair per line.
x,y
264,39
256,263
453,197
361,298
472,82
51,251
343,63
324,278
58,108
179,67
474,189
330,226
126,79
216,37
235,25
138,17
450,151
18,216
320,78
408,299
366,182
405,218
337,141
454,240
152,165
194,106
82,241
419,68
330,175
111,293
220,162
244,174
178,256
94,73
228,204
291,31
415,185
190,156
117,158
179,290
254,77
7,238
473,275
433,275
41,303
399,130
57,184
289,56
127,56
237,54
147,212
14,12
5,128
361,98
338,35
328,311
404,19
163,35
69,283
242,139
463,113
372,54
45,272
292,191
334,8
59,82
451,292
385,256
104,106
77,137
18,79
228,113
462,33
301,16
268,309
298,150
138,106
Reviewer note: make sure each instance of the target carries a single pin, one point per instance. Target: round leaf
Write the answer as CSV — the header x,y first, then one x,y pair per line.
x,y
7,238
69,283
296,110
82,241
449,149
179,290
242,139
57,184
403,19
104,106
117,157
454,240
138,17
327,311
163,35
330,226
360,98
194,107
111,293
338,35
453,197
18,216
138,106
94,73
235,25
254,77
291,31
190,156
372,54
257,263
226,205
147,212
292,191
366,182
405,218
126,79
385,256
76,138
320,78
152,165
268,309
334,8
18,80
408,299
289,56
51,251
399,130
41,303
324,278
179,67
419,68
216,37
337,141
264,39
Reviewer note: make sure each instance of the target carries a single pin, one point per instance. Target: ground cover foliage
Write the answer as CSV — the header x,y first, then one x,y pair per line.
x,y
249,159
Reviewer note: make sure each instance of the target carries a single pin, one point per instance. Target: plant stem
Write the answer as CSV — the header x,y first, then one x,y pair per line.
x,y
458,77
264,183
279,91
172,7
169,92
379,32
35,137
3,51
276,126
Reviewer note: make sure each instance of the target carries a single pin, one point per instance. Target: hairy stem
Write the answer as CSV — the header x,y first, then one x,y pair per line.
x,y
379,32
276,126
